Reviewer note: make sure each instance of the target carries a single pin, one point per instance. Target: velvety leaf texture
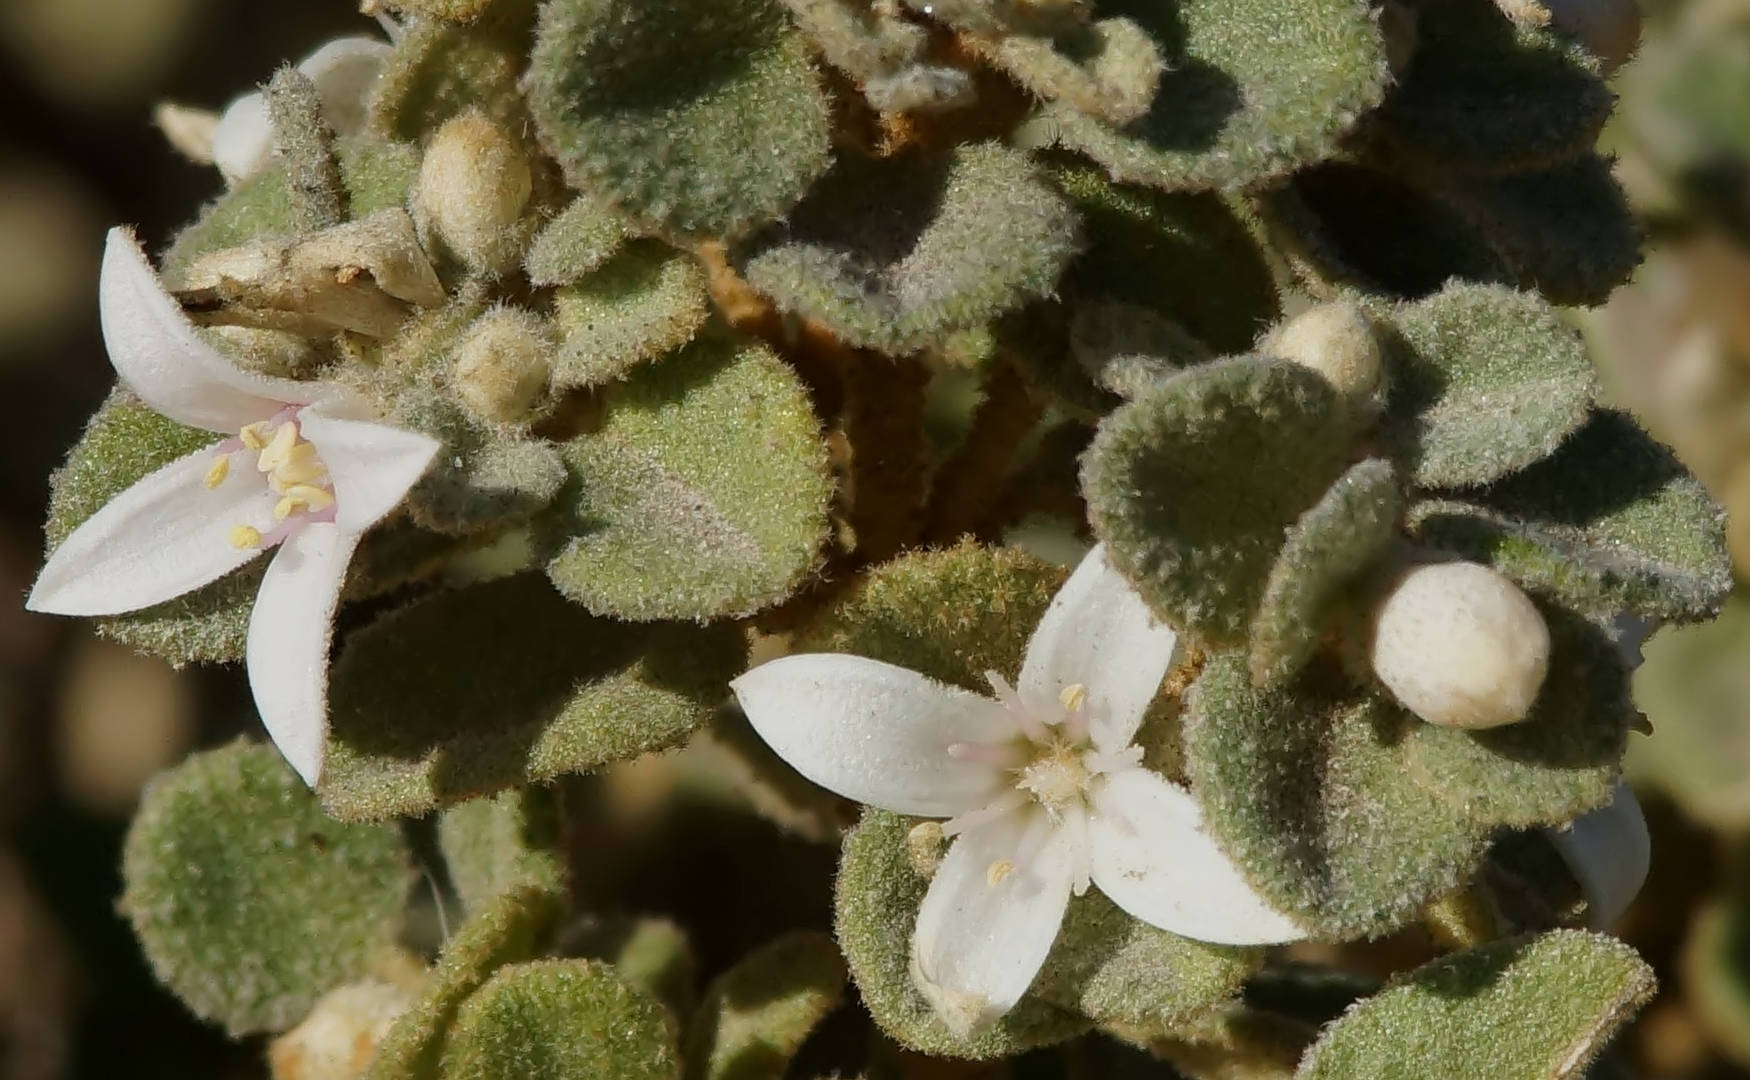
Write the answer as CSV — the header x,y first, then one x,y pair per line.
x,y
1196,531
642,303
249,902
702,492
1526,1007
415,727
757,1014
1253,90
655,107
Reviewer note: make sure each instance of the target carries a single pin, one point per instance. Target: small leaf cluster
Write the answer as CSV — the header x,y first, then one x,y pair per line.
x,y
752,327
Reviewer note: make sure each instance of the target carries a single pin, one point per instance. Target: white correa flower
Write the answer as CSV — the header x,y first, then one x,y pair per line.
x,y
302,471
1042,786
344,71
1608,851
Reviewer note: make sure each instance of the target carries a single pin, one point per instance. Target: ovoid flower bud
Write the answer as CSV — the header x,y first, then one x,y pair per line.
x,y
340,1036
502,365
1459,645
474,186
1609,29
1339,341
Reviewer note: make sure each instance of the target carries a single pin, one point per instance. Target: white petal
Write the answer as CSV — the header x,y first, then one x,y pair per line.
x,y
1608,850
165,536
1098,633
988,921
243,138
160,356
1152,858
372,465
875,732
345,72
289,632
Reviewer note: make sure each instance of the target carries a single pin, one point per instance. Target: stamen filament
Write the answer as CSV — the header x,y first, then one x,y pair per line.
x,y
1030,725
1006,803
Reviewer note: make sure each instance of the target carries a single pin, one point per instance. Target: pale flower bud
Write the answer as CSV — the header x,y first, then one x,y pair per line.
x,y
502,365
1338,340
473,188
340,1036
1459,645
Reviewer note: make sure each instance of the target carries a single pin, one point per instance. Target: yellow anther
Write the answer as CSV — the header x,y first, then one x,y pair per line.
x,y
301,466
254,435
997,871
313,497
285,508
216,475
245,536
1073,696
279,448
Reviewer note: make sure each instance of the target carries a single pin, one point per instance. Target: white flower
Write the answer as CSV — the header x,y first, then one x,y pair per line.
x,y
1044,791
303,471
344,70
1608,851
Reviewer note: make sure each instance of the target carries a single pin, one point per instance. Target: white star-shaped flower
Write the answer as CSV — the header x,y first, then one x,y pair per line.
x,y
304,471
344,70
1042,786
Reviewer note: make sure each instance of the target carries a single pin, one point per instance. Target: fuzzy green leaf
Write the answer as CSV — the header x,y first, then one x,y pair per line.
x,y
1119,970
1533,1008
1566,231
1328,549
1253,90
1485,94
249,902
377,176
508,929
1346,226
1610,523
124,441
415,725
1194,483
651,954
580,238
876,898
440,70
899,254
756,1015
1109,69
1554,765
494,845
660,107
483,477
1161,250
1308,789
702,493
1692,688
1485,381
646,301
560,1020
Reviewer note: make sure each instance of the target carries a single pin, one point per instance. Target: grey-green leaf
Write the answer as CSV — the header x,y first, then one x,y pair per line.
x,y
1535,1008
701,493
1485,381
580,238
660,108
1253,90
1194,483
560,1020
644,302
1308,789
900,254
1610,523
415,724
249,902
497,844
440,70
756,1015
1328,550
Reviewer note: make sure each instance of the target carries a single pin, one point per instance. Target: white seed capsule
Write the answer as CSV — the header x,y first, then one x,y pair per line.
x,y
474,186
1338,340
502,365
1459,645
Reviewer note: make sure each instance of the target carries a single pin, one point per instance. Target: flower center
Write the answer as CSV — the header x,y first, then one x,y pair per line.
x,y
1057,776
288,466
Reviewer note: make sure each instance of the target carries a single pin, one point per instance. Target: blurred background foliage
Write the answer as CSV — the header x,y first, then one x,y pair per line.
x,y
84,723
